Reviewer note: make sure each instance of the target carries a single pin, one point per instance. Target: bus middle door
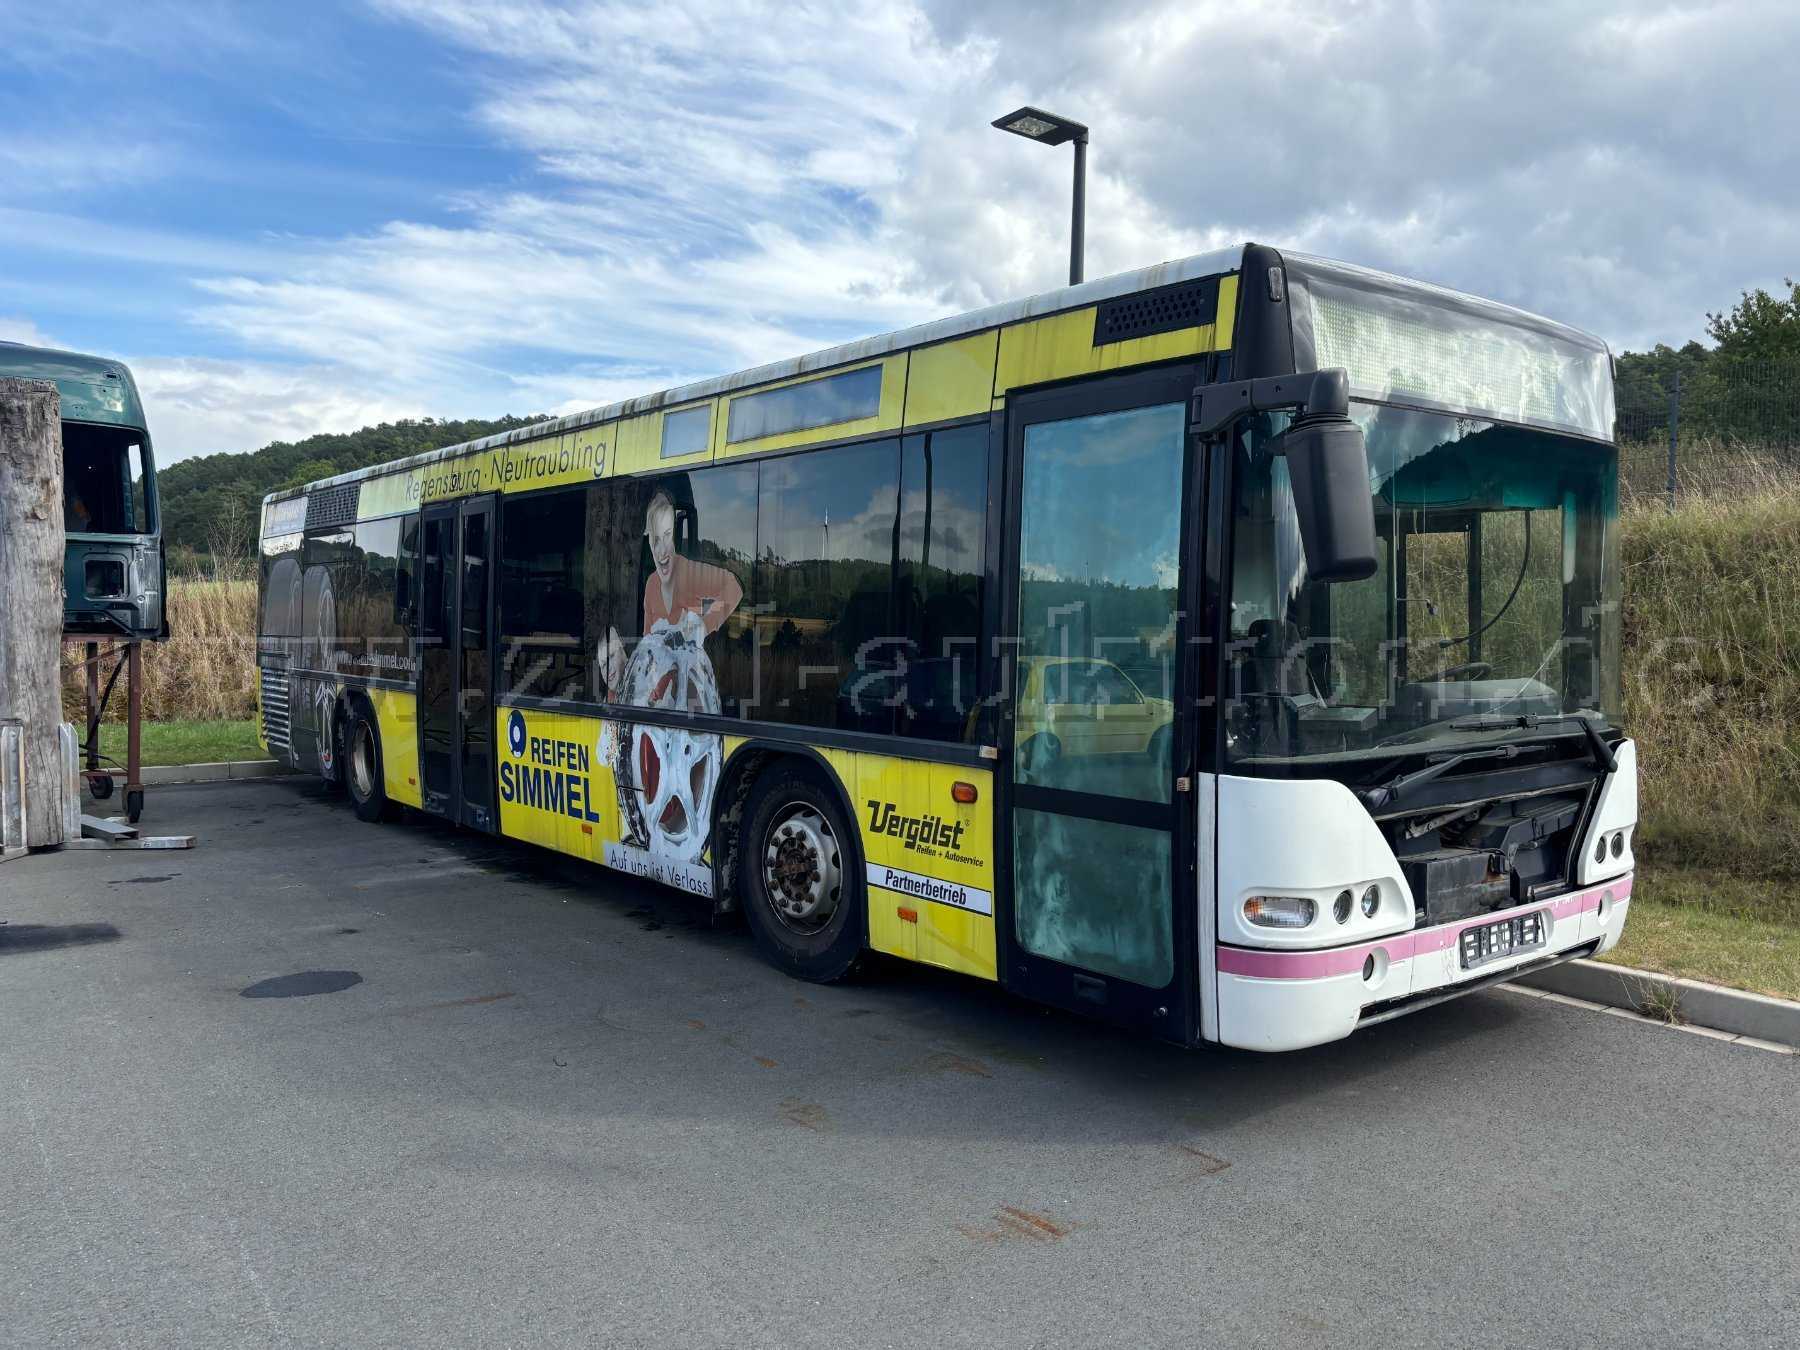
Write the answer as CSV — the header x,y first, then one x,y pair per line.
x,y
456,662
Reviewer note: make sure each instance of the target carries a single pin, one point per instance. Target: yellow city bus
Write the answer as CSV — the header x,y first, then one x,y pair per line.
x,y
1227,649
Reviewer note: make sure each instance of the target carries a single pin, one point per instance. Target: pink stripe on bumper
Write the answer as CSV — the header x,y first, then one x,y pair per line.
x,y
1276,965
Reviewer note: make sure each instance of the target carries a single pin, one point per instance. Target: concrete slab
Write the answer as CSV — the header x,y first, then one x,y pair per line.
x,y
222,771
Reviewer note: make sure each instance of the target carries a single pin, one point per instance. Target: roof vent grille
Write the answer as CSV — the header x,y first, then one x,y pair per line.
x,y
1166,309
330,506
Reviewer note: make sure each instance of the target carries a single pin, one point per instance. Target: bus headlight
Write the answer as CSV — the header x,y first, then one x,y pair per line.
x,y
1371,901
1280,911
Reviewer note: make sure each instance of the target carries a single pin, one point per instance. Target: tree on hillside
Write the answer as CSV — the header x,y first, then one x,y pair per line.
x,y
1760,327
1644,379
309,472
1746,387
197,493
231,534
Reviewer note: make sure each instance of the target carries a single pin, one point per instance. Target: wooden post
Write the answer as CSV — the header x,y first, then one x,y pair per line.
x,y
31,593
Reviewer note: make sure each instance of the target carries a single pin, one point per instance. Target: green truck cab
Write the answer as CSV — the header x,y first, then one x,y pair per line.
x,y
114,573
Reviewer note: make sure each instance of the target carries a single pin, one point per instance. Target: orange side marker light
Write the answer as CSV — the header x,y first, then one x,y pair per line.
x,y
907,913
963,792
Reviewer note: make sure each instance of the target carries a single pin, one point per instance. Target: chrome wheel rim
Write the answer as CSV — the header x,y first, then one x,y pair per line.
x,y
362,761
802,871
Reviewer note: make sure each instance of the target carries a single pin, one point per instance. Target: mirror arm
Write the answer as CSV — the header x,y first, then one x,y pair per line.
x,y
1317,393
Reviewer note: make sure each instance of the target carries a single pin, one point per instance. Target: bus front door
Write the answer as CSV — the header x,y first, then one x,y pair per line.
x,y
1098,852
456,705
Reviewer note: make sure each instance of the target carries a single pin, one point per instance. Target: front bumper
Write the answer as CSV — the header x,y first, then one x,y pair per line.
x,y
1286,1000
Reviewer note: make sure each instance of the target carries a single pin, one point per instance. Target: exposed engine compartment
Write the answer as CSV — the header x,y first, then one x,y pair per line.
x,y
1472,860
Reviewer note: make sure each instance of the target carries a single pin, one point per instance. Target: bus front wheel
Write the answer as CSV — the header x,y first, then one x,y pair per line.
x,y
799,881
362,772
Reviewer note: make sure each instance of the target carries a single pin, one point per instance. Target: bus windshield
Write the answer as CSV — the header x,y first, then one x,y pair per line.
x,y
1494,610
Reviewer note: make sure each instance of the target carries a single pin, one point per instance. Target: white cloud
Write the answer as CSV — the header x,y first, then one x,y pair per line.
x,y
49,165
718,183
18,328
199,406
710,212
196,406
1619,167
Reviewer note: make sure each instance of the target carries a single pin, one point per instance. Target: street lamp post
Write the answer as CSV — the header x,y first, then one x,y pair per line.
x,y
1046,128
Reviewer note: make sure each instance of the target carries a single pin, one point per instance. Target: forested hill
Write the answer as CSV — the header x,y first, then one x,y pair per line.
x,y
215,499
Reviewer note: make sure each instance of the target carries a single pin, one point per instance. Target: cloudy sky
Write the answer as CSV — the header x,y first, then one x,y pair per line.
x,y
296,218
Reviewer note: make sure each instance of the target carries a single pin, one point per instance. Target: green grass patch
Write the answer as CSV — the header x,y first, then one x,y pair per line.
x,y
1709,925
186,742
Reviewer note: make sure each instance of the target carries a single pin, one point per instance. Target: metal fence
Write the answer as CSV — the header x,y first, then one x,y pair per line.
x,y
1720,429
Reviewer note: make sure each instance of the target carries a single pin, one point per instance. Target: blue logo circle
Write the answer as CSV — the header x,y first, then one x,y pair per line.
x,y
515,733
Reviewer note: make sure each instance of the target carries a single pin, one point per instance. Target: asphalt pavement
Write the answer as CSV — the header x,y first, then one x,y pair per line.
x,y
536,1103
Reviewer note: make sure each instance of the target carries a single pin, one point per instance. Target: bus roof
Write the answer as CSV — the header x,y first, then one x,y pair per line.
x,y
1214,263
920,335
93,388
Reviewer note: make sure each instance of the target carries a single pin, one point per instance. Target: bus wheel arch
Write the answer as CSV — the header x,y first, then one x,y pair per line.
x,y
735,785
819,811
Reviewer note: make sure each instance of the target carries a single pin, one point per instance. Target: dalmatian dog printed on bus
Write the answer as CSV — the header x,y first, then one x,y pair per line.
x,y
666,776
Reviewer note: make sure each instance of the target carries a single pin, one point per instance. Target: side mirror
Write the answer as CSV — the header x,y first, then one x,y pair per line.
x,y
1328,465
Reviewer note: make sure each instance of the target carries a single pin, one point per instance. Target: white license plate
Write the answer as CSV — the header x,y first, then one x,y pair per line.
x,y
1508,937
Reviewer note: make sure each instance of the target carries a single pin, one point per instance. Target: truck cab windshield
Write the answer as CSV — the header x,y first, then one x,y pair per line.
x,y
1494,609
103,480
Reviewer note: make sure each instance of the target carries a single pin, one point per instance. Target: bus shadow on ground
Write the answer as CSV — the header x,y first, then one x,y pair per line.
x,y
41,937
1004,1064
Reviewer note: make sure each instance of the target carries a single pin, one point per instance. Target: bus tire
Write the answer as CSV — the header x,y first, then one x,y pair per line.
x,y
799,879
362,766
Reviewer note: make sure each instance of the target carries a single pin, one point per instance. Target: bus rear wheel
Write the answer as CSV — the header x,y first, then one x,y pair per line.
x,y
798,877
362,769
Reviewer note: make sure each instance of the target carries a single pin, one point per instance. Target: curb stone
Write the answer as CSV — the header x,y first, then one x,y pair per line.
x,y
165,774
1732,1012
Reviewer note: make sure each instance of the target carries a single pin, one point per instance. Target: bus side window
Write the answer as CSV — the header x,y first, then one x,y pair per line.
x,y
431,609
545,649
824,586
405,569
942,536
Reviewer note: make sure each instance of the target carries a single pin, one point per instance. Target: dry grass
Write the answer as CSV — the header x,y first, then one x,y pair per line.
x,y
1712,678
1706,470
205,672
